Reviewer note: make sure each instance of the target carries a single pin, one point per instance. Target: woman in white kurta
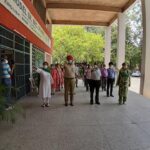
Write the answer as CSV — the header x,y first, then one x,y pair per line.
x,y
45,84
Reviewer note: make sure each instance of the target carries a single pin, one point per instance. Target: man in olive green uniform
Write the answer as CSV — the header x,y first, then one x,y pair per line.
x,y
123,83
69,80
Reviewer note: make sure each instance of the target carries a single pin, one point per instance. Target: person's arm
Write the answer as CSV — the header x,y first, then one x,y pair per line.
x,y
99,73
10,71
38,70
52,80
118,80
129,79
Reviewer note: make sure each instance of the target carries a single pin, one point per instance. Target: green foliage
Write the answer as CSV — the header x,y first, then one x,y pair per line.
x,y
75,40
87,43
9,115
133,37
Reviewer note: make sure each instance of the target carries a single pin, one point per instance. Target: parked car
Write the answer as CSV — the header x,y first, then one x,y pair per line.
x,y
136,74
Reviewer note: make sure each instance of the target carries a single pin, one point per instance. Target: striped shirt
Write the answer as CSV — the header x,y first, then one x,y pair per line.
x,y
5,70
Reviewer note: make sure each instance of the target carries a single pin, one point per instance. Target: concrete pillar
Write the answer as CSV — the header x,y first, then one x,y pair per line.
x,y
121,40
145,68
31,46
107,45
49,28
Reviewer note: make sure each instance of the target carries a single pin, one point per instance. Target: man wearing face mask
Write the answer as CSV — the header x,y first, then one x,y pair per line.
x,y
6,73
110,80
95,84
69,79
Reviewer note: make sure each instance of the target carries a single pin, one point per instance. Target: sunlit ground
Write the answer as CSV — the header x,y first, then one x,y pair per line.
x,y
135,84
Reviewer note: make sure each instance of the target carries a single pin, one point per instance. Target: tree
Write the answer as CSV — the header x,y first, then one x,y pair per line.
x,y
75,40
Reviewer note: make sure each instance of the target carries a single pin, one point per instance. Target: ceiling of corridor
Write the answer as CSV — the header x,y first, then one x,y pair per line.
x,y
86,12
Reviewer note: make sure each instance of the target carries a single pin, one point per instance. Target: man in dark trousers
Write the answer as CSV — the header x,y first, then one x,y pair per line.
x,y
95,84
110,80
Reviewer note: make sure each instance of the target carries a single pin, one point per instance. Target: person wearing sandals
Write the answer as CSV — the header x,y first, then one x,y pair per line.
x,y
45,84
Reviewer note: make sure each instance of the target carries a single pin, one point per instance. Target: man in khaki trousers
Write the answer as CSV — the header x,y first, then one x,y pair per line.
x,y
69,80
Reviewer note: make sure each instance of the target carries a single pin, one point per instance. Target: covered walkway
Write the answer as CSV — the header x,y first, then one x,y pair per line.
x,y
82,127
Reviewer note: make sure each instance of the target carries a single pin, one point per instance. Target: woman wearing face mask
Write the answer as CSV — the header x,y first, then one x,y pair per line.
x,y
45,84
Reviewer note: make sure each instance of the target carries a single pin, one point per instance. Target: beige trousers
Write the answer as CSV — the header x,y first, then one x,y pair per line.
x,y
69,85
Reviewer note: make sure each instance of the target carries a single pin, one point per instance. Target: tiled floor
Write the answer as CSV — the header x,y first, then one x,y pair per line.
x,y
82,127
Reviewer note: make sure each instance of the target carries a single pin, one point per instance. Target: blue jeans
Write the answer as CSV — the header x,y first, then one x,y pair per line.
x,y
6,82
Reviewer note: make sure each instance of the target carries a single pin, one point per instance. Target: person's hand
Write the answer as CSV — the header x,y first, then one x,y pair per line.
x,y
13,66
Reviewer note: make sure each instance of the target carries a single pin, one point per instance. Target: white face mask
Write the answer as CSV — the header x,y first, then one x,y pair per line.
x,y
95,66
70,62
6,61
111,66
45,66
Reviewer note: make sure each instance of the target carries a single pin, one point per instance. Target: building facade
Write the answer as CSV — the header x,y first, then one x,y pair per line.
x,y
25,40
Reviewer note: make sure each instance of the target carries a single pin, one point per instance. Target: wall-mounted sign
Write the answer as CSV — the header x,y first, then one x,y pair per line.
x,y
22,13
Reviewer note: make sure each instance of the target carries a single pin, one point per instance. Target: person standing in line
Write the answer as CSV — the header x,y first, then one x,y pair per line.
x,y
104,77
58,77
110,80
62,76
88,77
45,84
69,80
77,74
123,82
54,76
95,84
6,73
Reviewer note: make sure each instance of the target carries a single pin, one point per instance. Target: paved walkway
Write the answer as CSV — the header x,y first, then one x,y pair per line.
x,y
82,127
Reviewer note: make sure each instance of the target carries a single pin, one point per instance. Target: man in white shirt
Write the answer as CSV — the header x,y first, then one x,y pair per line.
x,y
95,84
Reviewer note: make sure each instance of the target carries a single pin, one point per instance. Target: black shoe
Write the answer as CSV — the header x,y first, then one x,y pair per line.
x,y
47,105
71,104
98,103
91,102
66,105
112,95
120,103
43,105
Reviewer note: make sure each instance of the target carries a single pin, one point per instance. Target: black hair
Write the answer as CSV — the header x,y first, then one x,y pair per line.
x,y
45,62
124,64
111,63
